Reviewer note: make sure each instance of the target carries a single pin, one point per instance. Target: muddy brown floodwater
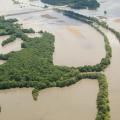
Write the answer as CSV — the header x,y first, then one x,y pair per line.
x,y
76,44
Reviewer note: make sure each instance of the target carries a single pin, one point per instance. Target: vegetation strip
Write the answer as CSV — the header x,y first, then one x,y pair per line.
x,y
76,4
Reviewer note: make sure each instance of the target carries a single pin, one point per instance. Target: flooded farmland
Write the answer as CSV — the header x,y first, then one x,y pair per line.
x,y
76,44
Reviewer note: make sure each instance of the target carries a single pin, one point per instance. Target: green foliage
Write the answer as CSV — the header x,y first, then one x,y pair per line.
x,y
10,39
28,30
102,99
76,4
40,32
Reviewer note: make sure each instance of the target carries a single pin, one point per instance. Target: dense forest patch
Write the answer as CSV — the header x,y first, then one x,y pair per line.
x,y
76,4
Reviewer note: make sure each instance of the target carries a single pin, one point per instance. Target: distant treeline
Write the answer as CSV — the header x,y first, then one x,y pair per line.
x,y
105,61
9,27
76,4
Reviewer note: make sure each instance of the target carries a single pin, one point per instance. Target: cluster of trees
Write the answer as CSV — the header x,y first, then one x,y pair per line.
x,y
104,25
76,16
102,99
76,4
10,39
9,27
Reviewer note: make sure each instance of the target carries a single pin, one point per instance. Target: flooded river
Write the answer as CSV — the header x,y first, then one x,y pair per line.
x,y
76,44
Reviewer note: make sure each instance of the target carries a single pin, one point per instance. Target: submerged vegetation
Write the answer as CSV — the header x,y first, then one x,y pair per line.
x,y
33,65
76,4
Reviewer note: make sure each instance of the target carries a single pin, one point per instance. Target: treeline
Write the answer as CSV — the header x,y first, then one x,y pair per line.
x,y
76,4
10,39
34,62
30,30
117,34
33,67
102,98
16,2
